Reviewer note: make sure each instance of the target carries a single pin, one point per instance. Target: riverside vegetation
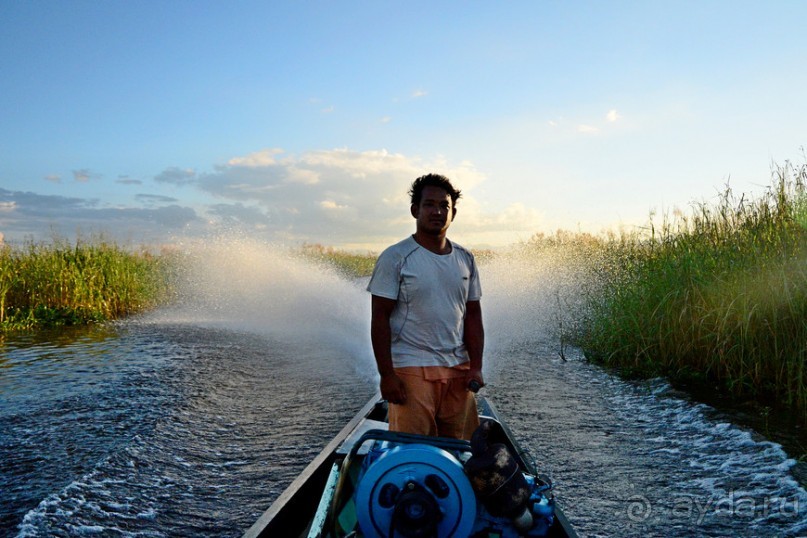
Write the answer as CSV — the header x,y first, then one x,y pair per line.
x,y
56,284
716,298
347,263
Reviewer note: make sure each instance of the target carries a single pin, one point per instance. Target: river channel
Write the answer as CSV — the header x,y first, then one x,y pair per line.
x,y
190,421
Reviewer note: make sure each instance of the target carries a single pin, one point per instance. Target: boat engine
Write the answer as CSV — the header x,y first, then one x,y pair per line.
x,y
513,503
407,489
414,491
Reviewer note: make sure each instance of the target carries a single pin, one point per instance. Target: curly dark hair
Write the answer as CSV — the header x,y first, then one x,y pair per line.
x,y
433,180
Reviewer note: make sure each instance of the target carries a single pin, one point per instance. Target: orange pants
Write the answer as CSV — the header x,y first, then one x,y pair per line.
x,y
442,407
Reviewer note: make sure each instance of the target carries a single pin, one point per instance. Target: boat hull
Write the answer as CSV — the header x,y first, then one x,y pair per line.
x,y
294,512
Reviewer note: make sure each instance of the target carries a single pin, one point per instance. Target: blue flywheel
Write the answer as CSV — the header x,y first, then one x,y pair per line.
x,y
415,490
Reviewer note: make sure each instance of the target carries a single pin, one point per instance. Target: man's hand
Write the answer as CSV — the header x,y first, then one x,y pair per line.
x,y
474,375
393,389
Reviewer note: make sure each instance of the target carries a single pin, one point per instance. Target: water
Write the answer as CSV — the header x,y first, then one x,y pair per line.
x,y
189,422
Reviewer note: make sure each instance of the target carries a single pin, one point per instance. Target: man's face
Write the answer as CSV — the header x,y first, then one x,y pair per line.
x,y
435,212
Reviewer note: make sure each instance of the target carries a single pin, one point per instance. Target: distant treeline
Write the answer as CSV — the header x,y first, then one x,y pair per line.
x,y
44,285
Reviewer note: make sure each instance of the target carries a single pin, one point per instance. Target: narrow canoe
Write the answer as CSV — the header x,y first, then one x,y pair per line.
x,y
300,511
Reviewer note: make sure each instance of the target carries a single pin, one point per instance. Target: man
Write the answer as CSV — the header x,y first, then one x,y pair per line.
x,y
426,325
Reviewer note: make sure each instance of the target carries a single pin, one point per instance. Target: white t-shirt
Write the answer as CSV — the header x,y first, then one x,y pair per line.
x,y
431,289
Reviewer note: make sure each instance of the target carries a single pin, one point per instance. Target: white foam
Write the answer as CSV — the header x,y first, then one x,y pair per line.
x,y
247,285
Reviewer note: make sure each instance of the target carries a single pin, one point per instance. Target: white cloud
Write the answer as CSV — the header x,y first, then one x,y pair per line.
x,y
54,178
296,174
337,197
344,197
514,220
612,116
386,119
264,157
587,129
419,93
519,215
330,204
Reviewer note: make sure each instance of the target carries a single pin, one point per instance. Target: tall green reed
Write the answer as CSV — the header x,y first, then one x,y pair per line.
x,y
348,263
61,283
717,296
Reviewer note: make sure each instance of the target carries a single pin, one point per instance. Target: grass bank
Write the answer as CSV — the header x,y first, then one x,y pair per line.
x,y
350,264
716,298
45,285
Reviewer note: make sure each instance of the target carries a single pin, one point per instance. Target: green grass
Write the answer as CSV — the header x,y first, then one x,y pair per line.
x,y
715,297
45,285
350,264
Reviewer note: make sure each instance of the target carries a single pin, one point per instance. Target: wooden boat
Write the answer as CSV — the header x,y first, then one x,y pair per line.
x,y
325,500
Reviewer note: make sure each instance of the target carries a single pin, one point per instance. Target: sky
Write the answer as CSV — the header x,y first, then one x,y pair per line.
x,y
306,122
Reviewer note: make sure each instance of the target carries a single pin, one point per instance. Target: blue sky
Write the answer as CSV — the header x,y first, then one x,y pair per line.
x,y
306,121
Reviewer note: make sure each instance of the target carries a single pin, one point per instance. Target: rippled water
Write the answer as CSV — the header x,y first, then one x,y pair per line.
x,y
638,460
191,421
160,430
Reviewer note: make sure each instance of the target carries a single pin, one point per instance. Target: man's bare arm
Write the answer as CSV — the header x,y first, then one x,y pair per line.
x,y
474,337
392,388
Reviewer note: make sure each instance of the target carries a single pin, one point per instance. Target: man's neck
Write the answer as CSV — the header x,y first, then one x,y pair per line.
x,y
438,244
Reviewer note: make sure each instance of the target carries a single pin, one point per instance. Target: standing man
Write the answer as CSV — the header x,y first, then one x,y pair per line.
x,y
426,325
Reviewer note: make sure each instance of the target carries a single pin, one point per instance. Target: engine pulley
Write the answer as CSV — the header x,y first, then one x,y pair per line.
x,y
415,491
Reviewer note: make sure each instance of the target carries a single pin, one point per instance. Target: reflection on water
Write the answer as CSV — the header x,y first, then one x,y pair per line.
x,y
191,421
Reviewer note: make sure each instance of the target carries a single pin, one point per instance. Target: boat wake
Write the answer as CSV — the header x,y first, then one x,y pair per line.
x,y
195,418
248,286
